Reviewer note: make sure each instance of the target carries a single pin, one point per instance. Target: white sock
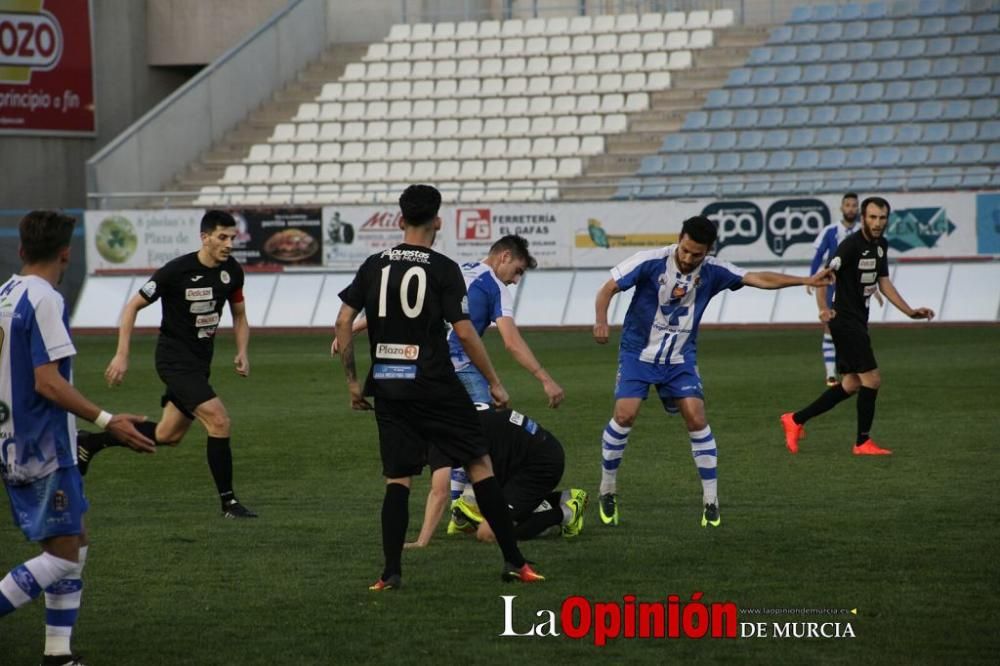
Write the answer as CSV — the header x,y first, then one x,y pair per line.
x,y
706,458
829,356
27,581
62,607
613,442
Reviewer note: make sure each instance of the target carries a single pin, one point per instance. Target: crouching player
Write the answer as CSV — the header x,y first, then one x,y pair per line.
x,y
528,462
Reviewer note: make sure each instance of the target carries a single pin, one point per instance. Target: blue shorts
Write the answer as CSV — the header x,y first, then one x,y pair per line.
x,y
475,384
672,381
50,507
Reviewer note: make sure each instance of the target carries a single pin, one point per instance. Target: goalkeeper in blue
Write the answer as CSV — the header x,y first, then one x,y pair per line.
x,y
673,286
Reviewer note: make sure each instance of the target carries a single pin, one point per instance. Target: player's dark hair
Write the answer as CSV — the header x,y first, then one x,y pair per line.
x,y
44,233
419,204
700,229
878,201
849,195
216,218
518,248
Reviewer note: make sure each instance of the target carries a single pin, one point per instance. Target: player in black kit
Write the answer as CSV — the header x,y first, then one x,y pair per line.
x,y
528,462
862,268
193,289
408,293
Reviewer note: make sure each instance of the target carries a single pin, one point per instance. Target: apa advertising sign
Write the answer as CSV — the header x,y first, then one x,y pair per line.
x,y
46,67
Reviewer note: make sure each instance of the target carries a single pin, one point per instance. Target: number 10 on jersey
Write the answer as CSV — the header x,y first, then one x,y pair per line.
x,y
414,273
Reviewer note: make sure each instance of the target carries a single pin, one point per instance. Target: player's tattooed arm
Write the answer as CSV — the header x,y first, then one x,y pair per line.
x,y
345,340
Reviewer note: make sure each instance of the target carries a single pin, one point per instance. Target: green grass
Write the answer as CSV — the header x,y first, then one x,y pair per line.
x,y
911,541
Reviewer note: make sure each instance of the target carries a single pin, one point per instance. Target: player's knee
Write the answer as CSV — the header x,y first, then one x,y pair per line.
x,y
696,423
218,424
873,381
625,417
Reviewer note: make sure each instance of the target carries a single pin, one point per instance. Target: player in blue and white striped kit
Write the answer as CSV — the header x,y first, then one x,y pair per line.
x,y
826,246
673,286
490,302
38,432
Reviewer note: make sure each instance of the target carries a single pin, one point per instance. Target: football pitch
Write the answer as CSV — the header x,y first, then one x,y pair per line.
x,y
909,541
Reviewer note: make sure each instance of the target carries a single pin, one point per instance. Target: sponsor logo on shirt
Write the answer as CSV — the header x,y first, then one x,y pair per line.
x,y
206,332
195,278
387,371
199,307
59,501
869,278
397,352
413,256
517,418
198,294
866,264
869,290
465,304
149,288
207,320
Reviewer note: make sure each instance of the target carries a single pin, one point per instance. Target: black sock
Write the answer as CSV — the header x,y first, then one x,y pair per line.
x,y
829,399
866,412
494,508
220,461
538,522
395,518
147,428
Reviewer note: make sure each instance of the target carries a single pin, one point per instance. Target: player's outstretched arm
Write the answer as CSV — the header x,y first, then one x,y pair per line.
x,y
772,280
360,324
519,349
50,384
241,331
473,345
601,304
437,502
886,286
346,341
114,374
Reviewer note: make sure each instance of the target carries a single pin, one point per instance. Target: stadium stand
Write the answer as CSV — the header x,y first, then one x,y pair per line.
x,y
490,111
889,96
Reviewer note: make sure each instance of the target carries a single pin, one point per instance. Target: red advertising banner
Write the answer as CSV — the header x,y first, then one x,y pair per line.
x,y
46,67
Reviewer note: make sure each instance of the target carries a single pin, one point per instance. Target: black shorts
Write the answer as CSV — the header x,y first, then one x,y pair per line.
x,y
406,429
539,476
187,385
854,347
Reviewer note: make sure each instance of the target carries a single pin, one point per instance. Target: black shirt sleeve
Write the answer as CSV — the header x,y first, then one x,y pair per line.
x,y
159,284
354,293
454,298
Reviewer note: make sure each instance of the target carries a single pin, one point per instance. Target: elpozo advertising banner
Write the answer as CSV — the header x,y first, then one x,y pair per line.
x,y
46,70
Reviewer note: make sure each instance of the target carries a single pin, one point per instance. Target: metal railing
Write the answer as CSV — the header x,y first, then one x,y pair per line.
x,y
176,131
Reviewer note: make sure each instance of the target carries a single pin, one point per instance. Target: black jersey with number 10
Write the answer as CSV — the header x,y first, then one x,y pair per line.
x,y
408,293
